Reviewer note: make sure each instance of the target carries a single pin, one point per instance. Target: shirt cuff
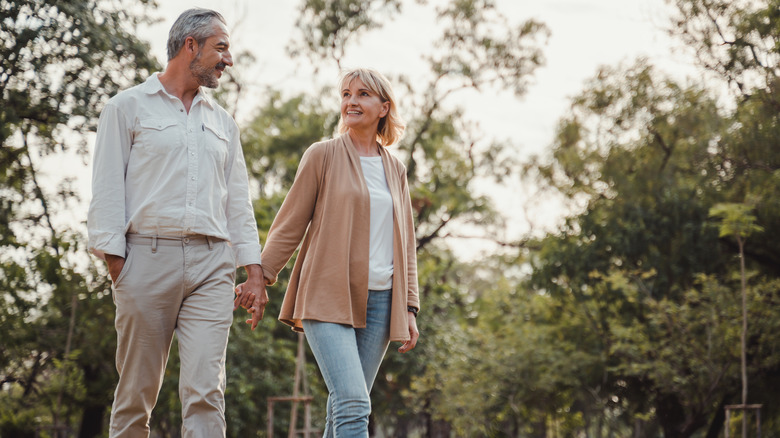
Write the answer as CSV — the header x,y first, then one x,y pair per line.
x,y
108,243
247,254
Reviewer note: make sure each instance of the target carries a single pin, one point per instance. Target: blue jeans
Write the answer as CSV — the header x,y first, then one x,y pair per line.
x,y
349,359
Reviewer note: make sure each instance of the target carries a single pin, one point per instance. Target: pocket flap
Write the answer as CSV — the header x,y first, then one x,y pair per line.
x,y
158,124
216,131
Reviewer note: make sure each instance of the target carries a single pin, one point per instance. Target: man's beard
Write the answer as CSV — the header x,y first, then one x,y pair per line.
x,y
204,75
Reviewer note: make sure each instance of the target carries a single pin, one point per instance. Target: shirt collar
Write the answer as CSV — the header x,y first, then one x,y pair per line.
x,y
154,86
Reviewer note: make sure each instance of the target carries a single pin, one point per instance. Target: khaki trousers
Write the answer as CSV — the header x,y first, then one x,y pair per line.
x,y
166,285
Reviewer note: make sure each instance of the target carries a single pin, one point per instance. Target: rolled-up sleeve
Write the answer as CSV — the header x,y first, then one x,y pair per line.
x,y
106,219
242,225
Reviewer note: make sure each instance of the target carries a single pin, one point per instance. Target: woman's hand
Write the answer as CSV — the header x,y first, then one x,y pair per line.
x,y
414,334
244,298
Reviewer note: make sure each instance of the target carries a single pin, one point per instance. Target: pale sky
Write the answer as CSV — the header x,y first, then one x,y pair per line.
x,y
585,34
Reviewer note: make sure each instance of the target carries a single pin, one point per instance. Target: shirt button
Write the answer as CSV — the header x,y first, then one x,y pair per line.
x,y
193,178
181,110
187,239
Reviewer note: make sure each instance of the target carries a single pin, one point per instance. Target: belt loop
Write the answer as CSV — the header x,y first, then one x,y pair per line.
x,y
211,244
154,244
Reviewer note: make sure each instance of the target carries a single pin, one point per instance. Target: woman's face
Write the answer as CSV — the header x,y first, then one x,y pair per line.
x,y
361,108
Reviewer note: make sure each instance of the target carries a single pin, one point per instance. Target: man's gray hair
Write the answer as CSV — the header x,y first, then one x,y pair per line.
x,y
197,23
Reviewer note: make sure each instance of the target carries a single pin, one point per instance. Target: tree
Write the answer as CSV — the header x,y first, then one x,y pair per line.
x,y
739,223
737,40
59,62
647,159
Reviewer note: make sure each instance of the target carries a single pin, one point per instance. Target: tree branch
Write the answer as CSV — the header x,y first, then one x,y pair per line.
x,y
421,242
38,191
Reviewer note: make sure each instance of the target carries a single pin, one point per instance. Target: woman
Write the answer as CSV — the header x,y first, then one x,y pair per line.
x,y
353,288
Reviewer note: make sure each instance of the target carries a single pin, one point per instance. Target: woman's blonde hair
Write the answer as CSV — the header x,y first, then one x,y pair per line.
x,y
391,126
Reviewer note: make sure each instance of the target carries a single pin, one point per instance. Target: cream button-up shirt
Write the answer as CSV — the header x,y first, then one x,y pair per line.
x,y
159,170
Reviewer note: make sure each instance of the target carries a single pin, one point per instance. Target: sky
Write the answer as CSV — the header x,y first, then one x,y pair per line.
x,y
584,35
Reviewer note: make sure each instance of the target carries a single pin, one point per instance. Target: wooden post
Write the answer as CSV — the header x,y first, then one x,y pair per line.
x,y
269,431
299,362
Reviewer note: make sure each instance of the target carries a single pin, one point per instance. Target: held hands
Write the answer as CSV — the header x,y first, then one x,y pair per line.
x,y
414,334
252,296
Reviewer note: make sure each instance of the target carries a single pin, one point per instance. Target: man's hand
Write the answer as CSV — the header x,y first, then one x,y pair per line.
x,y
115,265
251,295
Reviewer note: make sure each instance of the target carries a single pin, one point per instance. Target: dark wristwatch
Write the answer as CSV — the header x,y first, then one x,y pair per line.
x,y
413,310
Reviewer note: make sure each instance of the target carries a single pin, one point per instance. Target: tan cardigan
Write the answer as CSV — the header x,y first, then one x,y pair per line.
x,y
329,204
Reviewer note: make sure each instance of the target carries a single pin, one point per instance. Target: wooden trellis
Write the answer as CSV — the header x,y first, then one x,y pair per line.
x,y
745,409
296,398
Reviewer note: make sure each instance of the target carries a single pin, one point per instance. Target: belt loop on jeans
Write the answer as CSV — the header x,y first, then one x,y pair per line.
x,y
154,244
210,242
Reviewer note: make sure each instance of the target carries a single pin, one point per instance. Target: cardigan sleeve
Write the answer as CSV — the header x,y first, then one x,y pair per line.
x,y
413,297
292,220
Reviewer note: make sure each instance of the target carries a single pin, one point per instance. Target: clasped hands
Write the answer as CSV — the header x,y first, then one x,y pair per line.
x,y
252,296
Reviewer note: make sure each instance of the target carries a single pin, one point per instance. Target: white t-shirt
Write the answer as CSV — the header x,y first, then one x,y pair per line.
x,y
380,255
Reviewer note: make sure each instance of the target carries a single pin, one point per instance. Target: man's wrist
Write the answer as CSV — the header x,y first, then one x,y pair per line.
x,y
412,310
254,270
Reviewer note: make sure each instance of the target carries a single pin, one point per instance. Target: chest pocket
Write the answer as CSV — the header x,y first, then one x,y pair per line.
x,y
215,142
158,135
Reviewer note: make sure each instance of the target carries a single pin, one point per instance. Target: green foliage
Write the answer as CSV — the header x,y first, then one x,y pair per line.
x,y
736,220
327,26
738,40
59,62
649,163
483,49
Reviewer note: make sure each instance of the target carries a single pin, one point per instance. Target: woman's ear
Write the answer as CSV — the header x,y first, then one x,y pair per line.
x,y
385,109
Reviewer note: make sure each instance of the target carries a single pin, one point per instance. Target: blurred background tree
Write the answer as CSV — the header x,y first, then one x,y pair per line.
x,y
59,62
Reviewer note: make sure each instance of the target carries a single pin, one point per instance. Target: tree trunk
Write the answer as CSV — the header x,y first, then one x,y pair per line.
x,y
743,360
717,420
92,421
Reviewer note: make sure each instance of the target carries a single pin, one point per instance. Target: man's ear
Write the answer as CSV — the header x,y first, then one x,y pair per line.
x,y
190,45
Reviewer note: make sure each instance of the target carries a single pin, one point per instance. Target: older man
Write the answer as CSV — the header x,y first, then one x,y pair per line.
x,y
171,216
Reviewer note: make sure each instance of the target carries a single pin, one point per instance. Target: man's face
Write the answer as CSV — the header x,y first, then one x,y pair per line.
x,y
212,58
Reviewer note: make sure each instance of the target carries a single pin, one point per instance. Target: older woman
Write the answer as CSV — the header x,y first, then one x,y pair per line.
x,y
353,288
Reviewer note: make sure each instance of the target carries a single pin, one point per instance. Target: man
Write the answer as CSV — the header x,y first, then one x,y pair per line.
x,y
171,216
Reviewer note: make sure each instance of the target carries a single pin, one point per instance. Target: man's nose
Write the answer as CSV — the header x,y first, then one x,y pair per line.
x,y
227,58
